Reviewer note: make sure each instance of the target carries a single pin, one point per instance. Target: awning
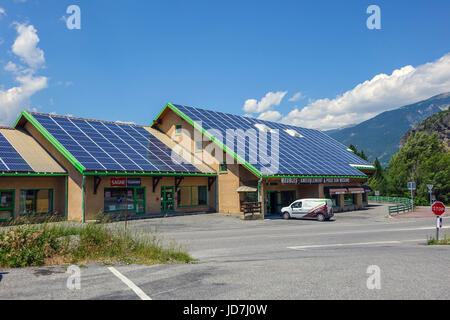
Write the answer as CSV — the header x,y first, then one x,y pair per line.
x,y
247,189
356,190
337,191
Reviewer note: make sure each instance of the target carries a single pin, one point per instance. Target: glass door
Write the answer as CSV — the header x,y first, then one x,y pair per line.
x,y
139,200
6,205
167,199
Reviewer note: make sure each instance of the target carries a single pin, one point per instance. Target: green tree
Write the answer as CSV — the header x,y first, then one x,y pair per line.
x,y
424,160
378,180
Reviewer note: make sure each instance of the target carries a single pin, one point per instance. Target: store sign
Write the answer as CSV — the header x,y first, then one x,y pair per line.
x,y
118,182
313,180
134,182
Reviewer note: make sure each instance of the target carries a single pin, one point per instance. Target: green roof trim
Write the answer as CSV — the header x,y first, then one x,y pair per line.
x,y
52,140
32,174
121,173
318,176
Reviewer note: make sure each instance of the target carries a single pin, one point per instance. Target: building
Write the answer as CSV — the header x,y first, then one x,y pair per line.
x,y
183,162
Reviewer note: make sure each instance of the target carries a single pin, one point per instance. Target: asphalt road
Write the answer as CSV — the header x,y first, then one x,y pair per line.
x,y
270,259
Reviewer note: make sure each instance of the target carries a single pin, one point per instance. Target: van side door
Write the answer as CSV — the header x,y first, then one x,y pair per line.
x,y
297,210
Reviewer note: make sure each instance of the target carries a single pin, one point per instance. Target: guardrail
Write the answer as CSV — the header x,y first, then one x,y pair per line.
x,y
400,208
389,199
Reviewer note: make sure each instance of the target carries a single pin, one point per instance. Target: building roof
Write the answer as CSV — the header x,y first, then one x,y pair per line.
x,y
300,151
20,153
95,146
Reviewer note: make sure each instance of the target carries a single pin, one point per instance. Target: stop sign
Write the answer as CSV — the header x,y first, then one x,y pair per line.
x,y
438,208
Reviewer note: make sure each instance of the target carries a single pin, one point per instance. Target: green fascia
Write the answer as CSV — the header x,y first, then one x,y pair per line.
x,y
212,138
32,174
119,173
52,140
324,177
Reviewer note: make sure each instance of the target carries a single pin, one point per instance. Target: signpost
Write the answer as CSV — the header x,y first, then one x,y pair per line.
x,y
430,188
438,209
412,186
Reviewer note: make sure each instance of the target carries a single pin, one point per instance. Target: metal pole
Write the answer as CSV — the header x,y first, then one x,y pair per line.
x,y
437,228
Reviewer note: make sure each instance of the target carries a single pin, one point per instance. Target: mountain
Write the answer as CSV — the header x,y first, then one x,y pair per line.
x,y
380,136
438,123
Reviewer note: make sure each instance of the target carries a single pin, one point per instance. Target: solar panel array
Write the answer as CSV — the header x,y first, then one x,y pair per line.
x,y
107,146
10,159
312,154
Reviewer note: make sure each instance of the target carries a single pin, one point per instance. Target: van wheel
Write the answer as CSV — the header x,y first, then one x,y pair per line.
x,y
320,217
286,216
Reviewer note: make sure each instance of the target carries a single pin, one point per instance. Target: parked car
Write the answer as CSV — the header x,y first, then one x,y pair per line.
x,y
320,209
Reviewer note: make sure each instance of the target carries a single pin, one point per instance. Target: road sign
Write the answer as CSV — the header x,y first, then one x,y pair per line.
x,y
430,187
411,186
439,223
438,208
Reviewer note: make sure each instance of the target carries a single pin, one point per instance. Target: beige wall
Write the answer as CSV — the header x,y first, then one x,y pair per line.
x,y
75,179
26,183
94,203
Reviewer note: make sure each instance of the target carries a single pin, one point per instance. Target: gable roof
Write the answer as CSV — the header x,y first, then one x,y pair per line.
x,y
302,152
104,147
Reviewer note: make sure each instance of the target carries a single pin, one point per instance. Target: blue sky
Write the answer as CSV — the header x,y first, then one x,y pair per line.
x,y
131,57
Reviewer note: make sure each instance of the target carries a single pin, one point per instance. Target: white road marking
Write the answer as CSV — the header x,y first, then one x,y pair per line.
x,y
141,294
351,244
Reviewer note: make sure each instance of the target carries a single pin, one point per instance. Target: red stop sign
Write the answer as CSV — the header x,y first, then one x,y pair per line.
x,y
438,208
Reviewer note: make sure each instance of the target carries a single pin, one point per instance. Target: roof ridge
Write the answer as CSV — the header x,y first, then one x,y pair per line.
x,y
86,119
243,116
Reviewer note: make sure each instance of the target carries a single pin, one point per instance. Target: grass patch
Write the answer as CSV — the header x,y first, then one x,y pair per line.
x,y
49,244
434,242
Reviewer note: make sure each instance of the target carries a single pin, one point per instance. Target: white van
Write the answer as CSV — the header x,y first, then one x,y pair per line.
x,y
320,209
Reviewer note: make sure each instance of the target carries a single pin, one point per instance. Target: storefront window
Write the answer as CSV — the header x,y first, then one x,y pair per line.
x,y
119,199
6,205
189,196
36,201
349,199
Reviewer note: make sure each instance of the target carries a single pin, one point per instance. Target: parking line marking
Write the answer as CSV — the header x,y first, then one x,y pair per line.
x,y
141,294
351,244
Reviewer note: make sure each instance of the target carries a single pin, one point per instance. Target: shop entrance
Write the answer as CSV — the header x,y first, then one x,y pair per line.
x,y
277,200
167,199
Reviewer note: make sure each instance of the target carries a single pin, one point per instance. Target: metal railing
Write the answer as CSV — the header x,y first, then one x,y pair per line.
x,y
404,204
389,199
400,208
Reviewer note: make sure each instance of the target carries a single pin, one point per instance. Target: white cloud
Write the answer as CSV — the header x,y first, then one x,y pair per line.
x,y
296,97
383,92
270,115
2,12
25,46
270,99
13,99
17,97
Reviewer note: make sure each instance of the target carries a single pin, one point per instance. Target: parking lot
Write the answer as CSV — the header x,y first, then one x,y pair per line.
x,y
270,259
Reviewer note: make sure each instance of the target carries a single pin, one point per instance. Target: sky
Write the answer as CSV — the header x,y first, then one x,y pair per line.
x,y
314,64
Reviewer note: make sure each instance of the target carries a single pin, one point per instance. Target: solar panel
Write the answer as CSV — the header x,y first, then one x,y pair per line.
x,y
107,146
311,153
10,159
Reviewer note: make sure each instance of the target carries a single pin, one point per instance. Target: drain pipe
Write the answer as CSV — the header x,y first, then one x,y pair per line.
x,y
82,200
259,195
